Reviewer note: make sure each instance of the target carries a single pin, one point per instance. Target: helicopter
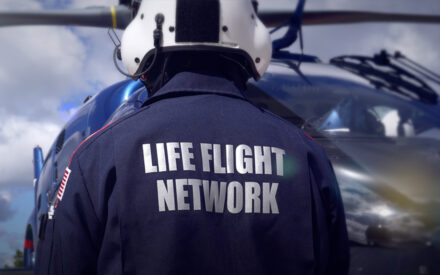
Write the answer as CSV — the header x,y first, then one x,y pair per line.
x,y
372,111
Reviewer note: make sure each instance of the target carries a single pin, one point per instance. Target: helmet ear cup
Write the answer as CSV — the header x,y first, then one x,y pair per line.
x,y
229,27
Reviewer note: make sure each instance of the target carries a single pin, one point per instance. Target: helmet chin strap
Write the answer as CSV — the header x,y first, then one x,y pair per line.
x,y
157,35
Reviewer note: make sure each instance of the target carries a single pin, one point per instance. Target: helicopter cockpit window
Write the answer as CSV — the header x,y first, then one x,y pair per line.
x,y
396,122
372,114
347,110
47,158
60,141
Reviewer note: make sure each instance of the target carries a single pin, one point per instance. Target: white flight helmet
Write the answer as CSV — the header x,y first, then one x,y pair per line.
x,y
226,26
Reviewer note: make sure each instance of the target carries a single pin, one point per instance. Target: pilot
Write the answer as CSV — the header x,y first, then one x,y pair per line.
x,y
199,180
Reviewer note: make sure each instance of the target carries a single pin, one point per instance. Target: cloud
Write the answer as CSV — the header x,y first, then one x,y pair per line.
x,y
5,258
91,3
415,41
19,5
392,6
63,4
5,208
18,136
40,66
14,241
99,67
44,66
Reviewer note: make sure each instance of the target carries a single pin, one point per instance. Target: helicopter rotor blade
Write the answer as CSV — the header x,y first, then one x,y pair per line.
x,y
117,17
274,19
120,16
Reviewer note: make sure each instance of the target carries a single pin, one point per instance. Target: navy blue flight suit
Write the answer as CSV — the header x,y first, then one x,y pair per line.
x,y
198,181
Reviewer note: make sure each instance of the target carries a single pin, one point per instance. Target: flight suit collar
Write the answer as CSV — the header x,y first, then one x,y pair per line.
x,y
195,83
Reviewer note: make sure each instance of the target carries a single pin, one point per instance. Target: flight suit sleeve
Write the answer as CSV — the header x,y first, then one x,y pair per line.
x,y
73,236
70,244
329,213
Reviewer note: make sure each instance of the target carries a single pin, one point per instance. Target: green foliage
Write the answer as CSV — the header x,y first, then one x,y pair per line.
x,y
18,260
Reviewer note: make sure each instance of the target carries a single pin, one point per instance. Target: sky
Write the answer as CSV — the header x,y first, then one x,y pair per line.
x,y
46,72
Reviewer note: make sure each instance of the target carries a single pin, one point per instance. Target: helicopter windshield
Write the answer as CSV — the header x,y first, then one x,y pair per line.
x,y
350,109
371,114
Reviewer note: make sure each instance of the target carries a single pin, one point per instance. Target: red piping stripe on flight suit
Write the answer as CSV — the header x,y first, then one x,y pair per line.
x,y
62,187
